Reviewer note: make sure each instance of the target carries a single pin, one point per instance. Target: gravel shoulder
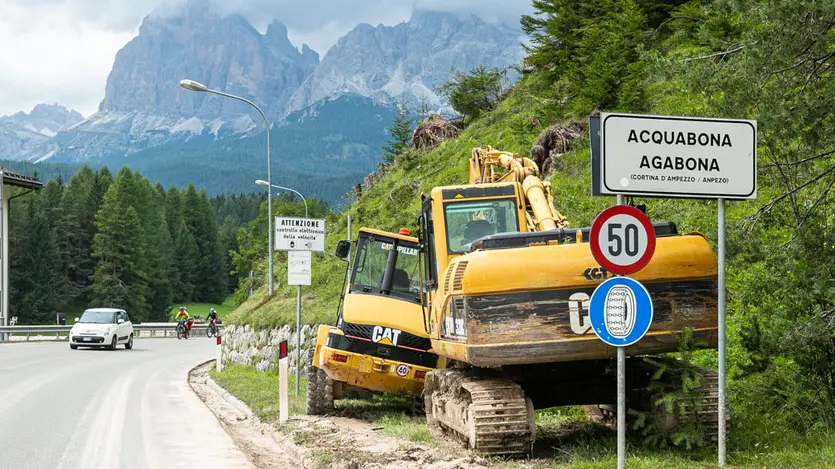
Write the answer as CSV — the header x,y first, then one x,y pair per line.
x,y
320,441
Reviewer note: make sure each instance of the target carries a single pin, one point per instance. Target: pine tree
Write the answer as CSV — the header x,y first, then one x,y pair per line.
x,y
38,281
401,134
119,280
187,255
76,228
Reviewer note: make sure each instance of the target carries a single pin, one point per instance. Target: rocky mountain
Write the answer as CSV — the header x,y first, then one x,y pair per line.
x,y
146,120
223,52
21,132
409,59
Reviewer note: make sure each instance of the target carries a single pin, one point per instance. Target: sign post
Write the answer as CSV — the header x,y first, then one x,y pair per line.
x,y
622,240
684,157
282,382
299,236
298,273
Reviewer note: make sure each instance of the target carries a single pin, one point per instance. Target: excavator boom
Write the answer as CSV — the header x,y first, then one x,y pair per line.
x,y
542,215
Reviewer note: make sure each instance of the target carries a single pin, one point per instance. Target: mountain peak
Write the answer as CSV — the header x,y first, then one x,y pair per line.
x,y
276,29
409,59
222,51
57,113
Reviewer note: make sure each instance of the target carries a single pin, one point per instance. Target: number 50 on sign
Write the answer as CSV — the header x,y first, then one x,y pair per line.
x,y
622,239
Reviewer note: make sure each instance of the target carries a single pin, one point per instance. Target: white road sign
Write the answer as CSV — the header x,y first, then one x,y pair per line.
x,y
673,156
299,234
298,268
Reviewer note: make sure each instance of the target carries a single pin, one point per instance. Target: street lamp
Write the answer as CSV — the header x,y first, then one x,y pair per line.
x,y
262,182
192,85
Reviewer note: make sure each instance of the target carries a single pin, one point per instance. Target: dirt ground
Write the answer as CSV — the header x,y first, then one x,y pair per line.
x,y
311,442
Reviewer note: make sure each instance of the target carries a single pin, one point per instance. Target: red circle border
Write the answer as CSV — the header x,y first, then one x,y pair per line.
x,y
594,235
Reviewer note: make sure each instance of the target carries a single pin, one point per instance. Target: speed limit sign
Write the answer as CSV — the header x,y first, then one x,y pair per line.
x,y
622,239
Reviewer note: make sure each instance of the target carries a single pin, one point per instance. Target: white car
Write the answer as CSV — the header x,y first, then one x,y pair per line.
x,y
102,327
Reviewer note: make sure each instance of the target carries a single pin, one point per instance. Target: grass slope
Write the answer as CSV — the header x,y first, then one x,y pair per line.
x,y
755,437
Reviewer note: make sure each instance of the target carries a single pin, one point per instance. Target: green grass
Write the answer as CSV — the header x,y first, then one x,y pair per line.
x,y
564,438
202,309
390,412
259,390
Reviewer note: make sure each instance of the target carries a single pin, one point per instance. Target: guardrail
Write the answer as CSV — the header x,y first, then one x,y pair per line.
x,y
169,329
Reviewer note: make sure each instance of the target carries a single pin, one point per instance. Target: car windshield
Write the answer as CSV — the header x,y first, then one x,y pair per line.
x,y
372,255
469,221
98,317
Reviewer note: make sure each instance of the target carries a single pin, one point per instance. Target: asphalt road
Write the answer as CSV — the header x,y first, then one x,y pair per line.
x,y
62,408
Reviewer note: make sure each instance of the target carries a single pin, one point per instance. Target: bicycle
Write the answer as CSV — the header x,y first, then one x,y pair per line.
x,y
211,329
182,330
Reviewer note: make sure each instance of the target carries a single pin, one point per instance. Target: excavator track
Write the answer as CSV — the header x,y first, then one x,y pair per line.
x,y
705,400
708,408
704,406
490,415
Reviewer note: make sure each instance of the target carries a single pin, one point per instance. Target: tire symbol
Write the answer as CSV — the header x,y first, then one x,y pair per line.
x,y
619,311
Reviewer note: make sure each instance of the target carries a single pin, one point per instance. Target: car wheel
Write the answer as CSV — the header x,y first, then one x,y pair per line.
x,y
113,343
129,344
73,346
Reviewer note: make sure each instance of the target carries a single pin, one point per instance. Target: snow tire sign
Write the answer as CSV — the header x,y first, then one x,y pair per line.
x,y
622,239
668,156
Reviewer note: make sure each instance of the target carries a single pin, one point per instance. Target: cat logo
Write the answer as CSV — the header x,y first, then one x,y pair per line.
x,y
597,273
385,335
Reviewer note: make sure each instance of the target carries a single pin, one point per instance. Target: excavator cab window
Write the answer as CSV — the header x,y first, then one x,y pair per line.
x,y
381,269
469,221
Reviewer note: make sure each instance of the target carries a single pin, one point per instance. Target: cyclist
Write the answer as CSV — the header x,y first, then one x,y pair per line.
x,y
212,317
183,316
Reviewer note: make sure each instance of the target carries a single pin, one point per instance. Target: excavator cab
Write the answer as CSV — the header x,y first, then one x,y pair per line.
x,y
379,342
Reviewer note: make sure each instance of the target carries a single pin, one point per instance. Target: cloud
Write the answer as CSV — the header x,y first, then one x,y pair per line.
x,y
62,50
52,60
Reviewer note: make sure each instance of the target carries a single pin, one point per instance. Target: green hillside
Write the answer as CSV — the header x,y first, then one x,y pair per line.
x,y
764,60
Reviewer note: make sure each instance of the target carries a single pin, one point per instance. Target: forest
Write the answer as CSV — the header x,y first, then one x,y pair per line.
x,y
100,240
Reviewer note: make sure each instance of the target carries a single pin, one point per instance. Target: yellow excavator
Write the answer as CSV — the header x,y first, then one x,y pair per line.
x,y
379,341
507,285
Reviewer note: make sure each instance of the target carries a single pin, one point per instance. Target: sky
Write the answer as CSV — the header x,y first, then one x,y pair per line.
x,y
61,51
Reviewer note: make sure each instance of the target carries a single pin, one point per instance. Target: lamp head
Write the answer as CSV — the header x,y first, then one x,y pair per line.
x,y
193,85
262,182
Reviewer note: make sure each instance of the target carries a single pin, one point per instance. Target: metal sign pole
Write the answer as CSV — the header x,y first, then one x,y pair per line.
x,y
298,336
721,275
621,396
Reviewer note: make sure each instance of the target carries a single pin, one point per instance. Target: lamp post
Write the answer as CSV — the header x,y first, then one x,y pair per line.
x,y
262,182
199,87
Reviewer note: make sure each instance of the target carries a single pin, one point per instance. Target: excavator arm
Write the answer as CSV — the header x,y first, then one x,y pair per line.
x,y
542,215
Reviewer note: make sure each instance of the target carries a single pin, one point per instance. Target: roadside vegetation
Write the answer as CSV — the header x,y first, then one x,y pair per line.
x,y
772,61
202,309
259,390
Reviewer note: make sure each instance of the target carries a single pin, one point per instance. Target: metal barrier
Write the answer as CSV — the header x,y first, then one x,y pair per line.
x,y
169,329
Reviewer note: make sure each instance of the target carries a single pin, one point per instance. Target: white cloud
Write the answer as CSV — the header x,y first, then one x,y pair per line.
x,y
61,51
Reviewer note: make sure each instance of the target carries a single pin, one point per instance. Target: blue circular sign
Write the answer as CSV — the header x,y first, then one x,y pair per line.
x,y
620,311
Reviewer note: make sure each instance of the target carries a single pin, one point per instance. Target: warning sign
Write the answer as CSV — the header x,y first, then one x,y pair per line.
x,y
299,234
